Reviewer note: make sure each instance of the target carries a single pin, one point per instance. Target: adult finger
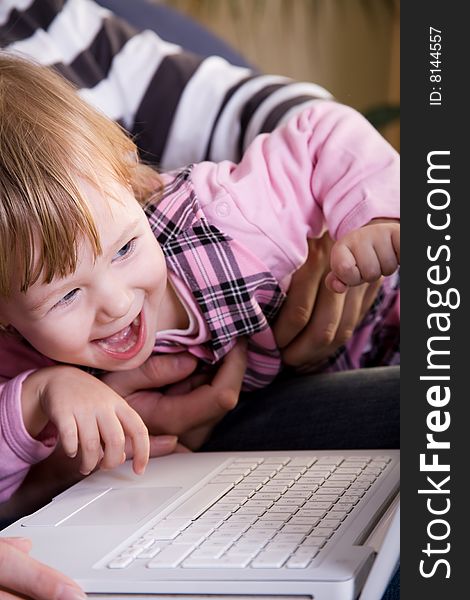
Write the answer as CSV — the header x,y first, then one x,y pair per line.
x,y
229,377
22,544
351,316
7,596
27,577
296,311
210,401
396,242
160,445
314,342
157,371
178,413
370,296
188,385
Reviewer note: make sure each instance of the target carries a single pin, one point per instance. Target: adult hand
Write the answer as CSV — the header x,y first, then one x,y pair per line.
x,y
188,409
24,577
314,321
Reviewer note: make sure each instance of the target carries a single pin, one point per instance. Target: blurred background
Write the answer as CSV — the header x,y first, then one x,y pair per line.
x,y
351,47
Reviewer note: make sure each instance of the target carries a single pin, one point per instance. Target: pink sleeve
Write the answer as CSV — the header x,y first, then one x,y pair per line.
x,y
18,450
326,167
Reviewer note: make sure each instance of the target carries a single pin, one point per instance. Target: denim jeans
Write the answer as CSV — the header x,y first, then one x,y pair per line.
x,y
349,409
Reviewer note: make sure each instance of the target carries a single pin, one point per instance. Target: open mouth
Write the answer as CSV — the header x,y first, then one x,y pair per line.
x,y
127,342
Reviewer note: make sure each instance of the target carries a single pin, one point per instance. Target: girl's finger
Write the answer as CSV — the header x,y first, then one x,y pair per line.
x,y
135,429
68,434
112,441
90,443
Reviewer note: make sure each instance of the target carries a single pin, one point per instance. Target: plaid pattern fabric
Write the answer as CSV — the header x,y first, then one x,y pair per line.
x,y
235,292
239,296
376,340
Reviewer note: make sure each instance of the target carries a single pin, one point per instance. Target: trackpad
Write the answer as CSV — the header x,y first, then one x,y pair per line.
x,y
115,506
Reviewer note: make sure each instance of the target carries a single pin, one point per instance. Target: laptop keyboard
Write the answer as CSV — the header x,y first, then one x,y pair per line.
x,y
266,513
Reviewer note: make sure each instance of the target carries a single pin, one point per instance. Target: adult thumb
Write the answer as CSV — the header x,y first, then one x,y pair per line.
x,y
155,372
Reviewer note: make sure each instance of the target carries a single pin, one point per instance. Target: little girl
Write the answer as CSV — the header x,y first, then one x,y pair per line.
x,y
104,261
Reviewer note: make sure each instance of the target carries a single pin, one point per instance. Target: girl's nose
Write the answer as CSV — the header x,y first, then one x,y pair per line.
x,y
116,300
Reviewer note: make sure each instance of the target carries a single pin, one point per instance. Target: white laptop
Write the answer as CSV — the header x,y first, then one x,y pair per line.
x,y
305,524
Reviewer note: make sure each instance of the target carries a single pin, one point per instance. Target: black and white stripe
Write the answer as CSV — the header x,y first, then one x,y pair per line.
x,y
180,107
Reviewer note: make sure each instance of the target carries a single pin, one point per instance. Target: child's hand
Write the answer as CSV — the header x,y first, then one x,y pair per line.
x,y
364,255
91,419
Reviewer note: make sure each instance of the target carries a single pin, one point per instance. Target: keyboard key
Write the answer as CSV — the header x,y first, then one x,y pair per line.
x,y
305,528
170,557
330,490
201,501
169,528
131,552
302,461
120,562
281,538
302,558
330,523
236,470
189,538
270,559
150,552
316,541
233,479
143,543
317,504
320,531
282,460
211,563
311,512
254,461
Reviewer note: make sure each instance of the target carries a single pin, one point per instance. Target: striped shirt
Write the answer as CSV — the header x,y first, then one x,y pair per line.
x,y
179,107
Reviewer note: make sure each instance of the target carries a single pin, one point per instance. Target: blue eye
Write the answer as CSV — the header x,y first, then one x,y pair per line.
x,y
67,298
125,250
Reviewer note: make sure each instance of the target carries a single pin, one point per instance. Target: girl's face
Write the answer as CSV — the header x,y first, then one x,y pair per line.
x,y
106,313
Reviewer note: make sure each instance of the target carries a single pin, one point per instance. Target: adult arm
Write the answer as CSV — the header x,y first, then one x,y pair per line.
x,y
180,107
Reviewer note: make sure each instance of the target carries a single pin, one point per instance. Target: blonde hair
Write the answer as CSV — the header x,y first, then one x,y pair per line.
x,y
50,139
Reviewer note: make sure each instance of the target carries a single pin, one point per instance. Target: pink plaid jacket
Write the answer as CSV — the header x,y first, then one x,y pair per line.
x,y
238,295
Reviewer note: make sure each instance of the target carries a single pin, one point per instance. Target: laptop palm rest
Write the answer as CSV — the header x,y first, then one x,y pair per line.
x,y
108,506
